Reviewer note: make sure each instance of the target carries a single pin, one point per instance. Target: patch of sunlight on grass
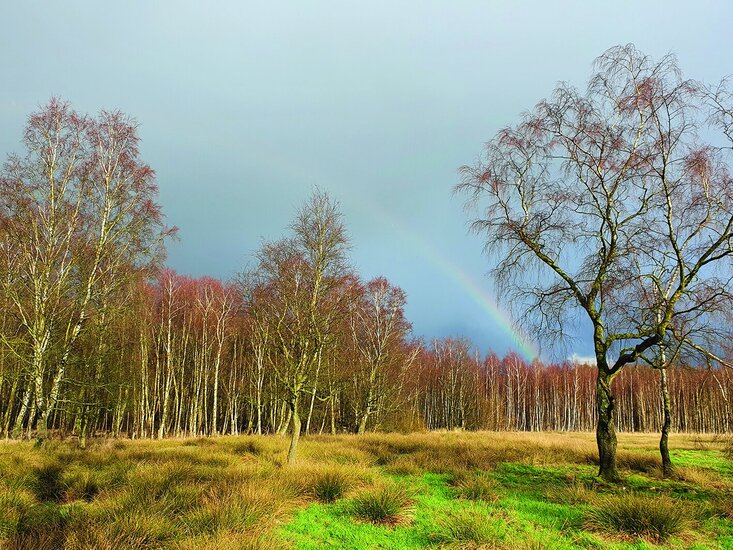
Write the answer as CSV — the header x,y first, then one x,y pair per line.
x,y
710,459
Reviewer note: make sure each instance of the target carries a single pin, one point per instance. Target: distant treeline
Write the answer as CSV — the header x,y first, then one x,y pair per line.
x,y
510,394
181,358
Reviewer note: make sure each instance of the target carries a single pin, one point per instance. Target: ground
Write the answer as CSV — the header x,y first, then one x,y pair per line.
x,y
444,489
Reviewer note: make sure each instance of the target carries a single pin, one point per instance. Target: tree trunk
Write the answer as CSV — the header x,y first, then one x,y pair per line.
x,y
284,422
259,404
362,423
667,422
313,396
295,436
20,418
333,413
215,408
605,431
9,410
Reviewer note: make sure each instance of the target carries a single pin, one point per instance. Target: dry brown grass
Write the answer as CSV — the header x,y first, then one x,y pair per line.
x,y
654,518
386,504
702,477
233,492
575,492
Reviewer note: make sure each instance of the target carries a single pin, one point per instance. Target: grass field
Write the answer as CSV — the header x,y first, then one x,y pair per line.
x,y
455,490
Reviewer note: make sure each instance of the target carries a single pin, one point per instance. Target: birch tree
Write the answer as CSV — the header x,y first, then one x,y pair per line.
x,y
588,194
378,330
304,275
78,208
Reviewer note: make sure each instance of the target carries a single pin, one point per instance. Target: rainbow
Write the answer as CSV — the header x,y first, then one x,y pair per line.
x,y
527,349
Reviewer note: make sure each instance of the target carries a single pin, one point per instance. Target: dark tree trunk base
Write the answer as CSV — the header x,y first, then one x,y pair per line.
x,y
605,431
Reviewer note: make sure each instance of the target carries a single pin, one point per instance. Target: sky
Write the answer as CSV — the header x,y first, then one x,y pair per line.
x,y
245,107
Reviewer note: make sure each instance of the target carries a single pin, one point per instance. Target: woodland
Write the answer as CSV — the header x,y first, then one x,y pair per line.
x,y
609,208
100,338
612,206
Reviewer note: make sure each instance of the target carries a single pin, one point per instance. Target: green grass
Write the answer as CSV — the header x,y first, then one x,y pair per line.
x,y
455,490
466,528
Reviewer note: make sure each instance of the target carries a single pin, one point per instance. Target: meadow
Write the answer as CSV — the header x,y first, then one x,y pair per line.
x,y
438,489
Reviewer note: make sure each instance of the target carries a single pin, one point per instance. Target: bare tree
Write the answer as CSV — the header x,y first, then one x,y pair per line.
x,y
303,277
378,331
78,209
592,195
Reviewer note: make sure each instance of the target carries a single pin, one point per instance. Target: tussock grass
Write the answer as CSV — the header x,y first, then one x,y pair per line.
x,y
253,540
13,507
574,493
247,447
448,452
475,486
237,492
322,482
655,518
80,485
231,510
464,529
43,526
146,530
389,504
637,461
702,477
403,466
331,486
722,505
47,484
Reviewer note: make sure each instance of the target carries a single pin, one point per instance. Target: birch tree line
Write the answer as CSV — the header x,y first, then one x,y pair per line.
x,y
99,338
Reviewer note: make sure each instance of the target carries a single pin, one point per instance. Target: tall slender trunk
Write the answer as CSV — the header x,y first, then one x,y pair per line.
x,y
361,427
333,414
313,394
284,422
80,421
120,410
9,410
41,407
31,419
667,467
362,423
605,431
215,407
295,435
20,418
259,408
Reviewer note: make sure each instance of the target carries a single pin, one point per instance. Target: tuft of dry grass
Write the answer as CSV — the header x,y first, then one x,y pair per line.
x,y
449,452
464,529
404,466
321,481
722,505
639,461
231,510
331,486
655,518
475,486
575,492
47,484
389,504
701,477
